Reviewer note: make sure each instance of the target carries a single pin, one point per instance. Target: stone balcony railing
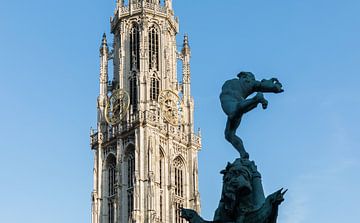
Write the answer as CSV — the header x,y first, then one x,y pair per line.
x,y
151,118
124,11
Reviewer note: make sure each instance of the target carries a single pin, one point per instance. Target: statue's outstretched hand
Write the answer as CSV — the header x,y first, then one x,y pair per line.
x,y
272,85
277,84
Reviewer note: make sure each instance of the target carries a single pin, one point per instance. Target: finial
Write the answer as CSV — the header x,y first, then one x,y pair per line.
x,y
186,38
186,47
104,41
168,4
104,47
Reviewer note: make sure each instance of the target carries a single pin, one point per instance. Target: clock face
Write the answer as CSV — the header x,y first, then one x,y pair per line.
x,y
117,106
170,106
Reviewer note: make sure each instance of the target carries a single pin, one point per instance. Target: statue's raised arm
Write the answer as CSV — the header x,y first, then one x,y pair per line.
x,y
235,102
272,85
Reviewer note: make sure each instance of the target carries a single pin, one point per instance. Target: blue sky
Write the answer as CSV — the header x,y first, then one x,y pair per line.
x,y
307,140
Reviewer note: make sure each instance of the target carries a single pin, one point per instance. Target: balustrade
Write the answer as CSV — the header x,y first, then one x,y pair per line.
x,y
151,117
147,5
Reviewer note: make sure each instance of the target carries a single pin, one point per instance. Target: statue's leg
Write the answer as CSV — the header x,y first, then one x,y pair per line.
x,y
234,119
249,104
230,135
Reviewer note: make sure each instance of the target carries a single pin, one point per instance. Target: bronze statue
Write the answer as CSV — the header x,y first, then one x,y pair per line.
x,y
242,198
235,104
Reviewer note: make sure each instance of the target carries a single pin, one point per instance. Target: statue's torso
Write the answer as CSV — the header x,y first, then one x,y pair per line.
x,y
235,89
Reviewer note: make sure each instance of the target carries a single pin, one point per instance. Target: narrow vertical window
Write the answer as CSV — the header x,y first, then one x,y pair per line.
x,y
111,175
161,169
135,47
178,218
111,180
160,172
154,88
153,48
111,215
130,203
179,187
111,184
130,169
161,208
133,92
161,181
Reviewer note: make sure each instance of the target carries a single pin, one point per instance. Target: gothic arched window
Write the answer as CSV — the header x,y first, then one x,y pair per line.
x,y
179,187
153,48
179,177
130,173
111,178
130,170
154,88
161,168
133,92
135,47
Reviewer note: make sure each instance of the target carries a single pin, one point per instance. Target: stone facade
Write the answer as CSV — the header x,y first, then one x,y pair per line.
x,y
145,165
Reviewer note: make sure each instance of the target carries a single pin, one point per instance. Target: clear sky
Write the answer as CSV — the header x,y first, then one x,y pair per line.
x,y
307,140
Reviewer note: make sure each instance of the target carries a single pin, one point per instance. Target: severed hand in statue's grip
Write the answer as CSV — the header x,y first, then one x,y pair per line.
x,y
272,85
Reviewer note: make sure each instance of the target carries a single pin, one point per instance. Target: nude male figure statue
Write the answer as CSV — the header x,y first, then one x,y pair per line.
x,y
234,103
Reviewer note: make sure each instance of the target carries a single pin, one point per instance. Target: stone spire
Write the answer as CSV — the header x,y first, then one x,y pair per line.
x,y
104,56
168,4
188,113
185,54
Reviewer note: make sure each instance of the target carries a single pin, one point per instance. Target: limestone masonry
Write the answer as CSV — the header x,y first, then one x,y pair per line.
x,y
145,147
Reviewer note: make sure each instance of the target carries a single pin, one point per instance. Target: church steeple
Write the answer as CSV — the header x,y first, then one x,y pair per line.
x,y
145,165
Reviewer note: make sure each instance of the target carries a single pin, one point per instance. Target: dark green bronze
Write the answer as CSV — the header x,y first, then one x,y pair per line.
x,y
235,103
242,198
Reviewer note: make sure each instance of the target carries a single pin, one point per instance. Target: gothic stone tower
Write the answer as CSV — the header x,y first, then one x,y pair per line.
x,y
145,164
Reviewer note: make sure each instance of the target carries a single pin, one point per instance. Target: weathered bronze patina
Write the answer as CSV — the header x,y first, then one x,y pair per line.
x,y
242,198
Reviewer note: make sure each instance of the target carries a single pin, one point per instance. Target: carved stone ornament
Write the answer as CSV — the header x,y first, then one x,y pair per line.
x,y
170,106
117,106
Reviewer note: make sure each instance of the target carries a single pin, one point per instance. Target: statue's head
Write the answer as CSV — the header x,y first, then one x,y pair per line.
x,y
246,76
236,182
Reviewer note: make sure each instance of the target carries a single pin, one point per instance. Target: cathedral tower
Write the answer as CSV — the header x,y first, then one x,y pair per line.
x,y
145,147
